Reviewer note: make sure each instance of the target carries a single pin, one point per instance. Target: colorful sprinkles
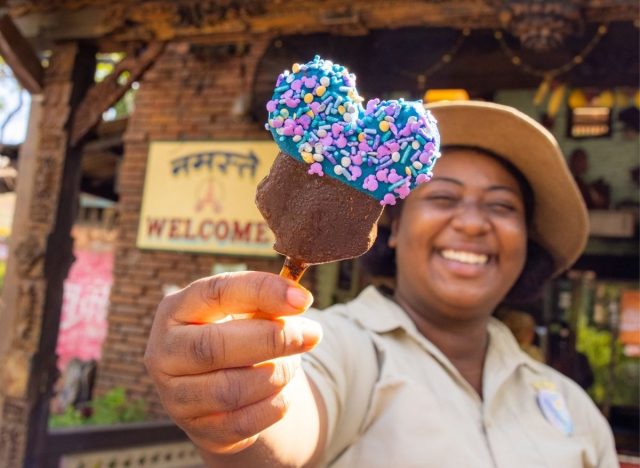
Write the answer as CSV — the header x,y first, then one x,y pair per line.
x,y
383,149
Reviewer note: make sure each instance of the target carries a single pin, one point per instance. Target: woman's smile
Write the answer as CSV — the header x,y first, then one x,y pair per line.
x,y
464,263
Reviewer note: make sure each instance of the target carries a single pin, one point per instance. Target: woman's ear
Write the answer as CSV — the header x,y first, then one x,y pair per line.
x,y
393,238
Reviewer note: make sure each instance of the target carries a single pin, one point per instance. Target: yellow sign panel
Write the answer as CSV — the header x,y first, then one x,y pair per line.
x,y
199,197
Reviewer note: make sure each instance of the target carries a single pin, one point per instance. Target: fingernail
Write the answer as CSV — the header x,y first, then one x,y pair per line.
x,y
311,332
299,298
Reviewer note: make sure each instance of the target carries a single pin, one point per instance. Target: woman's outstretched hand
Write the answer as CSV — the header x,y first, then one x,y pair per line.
x,y
222,351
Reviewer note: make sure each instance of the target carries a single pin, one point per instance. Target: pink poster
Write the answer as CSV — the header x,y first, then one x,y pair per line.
x,y
83,324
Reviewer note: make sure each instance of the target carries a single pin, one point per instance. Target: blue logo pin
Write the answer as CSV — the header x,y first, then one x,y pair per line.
x,y
553,407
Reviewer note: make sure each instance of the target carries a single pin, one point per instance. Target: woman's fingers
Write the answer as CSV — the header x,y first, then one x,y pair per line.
x,y
197,349
195,396
211,299
224,381
231,431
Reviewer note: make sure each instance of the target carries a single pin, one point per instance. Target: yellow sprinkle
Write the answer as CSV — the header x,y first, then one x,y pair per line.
x,y
295,67
308,98
407,171
384,126
311,114
341,110
307,157
361,136
320,90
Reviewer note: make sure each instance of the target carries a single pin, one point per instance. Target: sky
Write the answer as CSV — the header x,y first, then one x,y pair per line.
x,y
16,129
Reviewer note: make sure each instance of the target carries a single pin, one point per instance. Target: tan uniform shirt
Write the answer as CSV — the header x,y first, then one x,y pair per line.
x,y
394,400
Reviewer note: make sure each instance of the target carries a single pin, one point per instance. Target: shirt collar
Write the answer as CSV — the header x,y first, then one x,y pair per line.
x,y
379,313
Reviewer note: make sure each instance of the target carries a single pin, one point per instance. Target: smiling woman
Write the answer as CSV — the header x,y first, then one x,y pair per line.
x,y
420,375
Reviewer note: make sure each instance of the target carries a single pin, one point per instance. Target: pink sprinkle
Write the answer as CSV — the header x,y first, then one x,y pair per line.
x,y
388,200
403,190
316,168
305,121
292,102
272,105
287,130
364,146
394,177
309,82
422,178
424,157
327,141
276,123
356,172
405,132
299,130
381,175
336,129
357,159
383,151
393,146
372,106
370,183
296,85
341,142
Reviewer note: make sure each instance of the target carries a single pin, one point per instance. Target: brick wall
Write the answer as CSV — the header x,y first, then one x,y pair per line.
x,y
184,96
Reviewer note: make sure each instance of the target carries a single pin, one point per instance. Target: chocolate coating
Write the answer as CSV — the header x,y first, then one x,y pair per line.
x,y
315,219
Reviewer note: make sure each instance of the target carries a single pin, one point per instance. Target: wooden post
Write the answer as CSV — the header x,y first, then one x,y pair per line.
x,y
39,259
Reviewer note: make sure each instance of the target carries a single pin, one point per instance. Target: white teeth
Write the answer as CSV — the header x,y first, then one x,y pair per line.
x,y
465,257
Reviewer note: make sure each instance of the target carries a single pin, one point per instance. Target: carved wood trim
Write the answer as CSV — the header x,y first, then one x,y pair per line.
x,y
128,20
105,94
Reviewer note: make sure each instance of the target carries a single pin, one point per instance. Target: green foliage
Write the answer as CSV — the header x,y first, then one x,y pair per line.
x,y
105,66
112,408
621,383
596,345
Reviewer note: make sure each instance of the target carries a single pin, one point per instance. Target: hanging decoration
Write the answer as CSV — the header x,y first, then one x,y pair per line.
x,y
550,73
540,25
445,59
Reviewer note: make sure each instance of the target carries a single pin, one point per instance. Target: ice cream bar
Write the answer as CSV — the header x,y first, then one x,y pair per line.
x,y
340,163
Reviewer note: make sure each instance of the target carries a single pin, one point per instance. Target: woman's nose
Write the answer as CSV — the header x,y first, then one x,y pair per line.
x,y
470,219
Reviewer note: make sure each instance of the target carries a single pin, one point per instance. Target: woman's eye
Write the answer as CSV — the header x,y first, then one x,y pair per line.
x,y
442,199
502,207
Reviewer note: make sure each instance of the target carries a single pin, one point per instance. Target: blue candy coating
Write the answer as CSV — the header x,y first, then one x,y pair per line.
x,y
384,149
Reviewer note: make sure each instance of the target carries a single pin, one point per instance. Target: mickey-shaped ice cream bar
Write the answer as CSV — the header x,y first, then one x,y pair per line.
x,y
340,163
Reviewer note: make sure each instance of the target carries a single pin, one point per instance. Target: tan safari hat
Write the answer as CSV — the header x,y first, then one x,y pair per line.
x,y
560,221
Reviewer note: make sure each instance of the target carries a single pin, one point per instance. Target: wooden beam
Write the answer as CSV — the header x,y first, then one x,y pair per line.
x,y
20,56
105,94
127,21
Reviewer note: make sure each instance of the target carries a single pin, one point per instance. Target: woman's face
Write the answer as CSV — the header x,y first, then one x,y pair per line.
x,y
461,238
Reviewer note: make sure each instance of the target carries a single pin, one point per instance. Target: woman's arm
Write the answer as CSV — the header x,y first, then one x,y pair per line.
x,y
235,386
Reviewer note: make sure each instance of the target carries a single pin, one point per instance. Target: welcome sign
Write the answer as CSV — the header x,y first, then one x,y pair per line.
x,y
199,197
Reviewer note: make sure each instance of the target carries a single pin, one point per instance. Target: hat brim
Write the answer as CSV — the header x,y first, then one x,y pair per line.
x,y
560,221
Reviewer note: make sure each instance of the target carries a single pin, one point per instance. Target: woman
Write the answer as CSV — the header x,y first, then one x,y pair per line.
x,y
420,377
